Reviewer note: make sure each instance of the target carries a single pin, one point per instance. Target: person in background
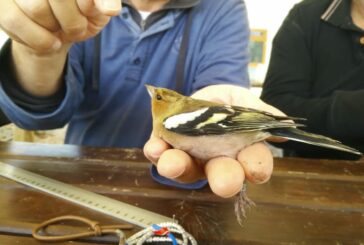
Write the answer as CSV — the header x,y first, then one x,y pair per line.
x,y
316,72
85,63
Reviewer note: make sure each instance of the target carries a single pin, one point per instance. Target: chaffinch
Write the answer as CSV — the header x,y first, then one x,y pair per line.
x,y
207,129
220,138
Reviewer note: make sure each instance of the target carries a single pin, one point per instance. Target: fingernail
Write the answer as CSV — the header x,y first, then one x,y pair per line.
x,y
57,45
111,4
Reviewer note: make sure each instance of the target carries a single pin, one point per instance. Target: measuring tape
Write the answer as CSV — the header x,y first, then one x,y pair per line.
x,y
99,203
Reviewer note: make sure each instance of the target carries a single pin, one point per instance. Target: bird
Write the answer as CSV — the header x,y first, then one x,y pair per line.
x,y
206,129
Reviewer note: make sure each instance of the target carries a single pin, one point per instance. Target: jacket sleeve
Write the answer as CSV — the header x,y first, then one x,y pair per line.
x,y
288,87
42,113
223,53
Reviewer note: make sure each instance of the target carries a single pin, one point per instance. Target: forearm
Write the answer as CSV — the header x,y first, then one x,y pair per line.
x,y
315,110
35,112
39,74
346,114
339,115
325,117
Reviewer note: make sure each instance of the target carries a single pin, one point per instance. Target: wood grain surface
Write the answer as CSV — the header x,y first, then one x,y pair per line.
x,y
305,202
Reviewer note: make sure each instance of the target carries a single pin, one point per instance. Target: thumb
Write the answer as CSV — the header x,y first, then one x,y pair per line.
x,y
108,7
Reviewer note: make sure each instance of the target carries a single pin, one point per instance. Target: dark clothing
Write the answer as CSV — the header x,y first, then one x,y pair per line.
x,y
316,72
3,119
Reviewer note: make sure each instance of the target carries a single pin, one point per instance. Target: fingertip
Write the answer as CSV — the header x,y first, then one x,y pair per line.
x,y
257,162
173,163
154,148
225,176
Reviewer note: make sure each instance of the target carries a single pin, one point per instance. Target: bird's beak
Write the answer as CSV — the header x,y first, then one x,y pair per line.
x,y
151,90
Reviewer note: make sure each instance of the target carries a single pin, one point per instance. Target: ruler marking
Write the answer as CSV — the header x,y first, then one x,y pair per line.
x,y
103,204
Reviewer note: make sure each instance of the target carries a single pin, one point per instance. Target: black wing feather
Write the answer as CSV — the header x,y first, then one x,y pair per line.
x,y
238,119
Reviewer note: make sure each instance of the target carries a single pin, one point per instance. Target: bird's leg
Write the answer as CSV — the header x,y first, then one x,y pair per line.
x,y
242,203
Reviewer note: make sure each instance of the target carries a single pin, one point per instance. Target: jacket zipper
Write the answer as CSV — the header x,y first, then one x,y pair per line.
x,y
142,25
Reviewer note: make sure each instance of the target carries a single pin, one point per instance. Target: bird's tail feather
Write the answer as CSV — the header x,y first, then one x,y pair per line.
x,y
313,139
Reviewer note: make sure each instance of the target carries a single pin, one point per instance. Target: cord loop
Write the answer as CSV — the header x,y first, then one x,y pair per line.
x,y
95,229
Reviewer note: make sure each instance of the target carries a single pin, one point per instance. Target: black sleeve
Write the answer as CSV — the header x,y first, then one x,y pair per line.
x,y
19,96
3,119
287,84
288,87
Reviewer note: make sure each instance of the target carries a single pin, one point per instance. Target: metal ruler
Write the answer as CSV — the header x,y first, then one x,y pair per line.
x,y
99,203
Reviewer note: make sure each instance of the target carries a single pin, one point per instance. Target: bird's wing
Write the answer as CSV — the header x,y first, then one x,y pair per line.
x,y
312,139
223,119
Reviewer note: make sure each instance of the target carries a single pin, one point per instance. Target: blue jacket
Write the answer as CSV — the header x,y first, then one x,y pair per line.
x,y
118,112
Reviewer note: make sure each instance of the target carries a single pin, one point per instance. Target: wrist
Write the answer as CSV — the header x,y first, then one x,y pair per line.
x,y
38,73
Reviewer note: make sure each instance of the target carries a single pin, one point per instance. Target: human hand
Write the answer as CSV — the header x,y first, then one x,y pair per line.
x,y
49,25
225,175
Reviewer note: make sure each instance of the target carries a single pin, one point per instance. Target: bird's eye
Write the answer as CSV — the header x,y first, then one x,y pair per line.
x,y
158,97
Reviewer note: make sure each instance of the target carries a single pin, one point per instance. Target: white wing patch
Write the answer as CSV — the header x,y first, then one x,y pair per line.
x,y
180,119
215,118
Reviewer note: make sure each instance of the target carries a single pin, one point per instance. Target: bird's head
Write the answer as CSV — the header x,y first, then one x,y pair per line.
x,y
165,102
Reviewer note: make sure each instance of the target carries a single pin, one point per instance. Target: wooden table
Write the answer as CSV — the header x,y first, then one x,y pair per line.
x,y
305,202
